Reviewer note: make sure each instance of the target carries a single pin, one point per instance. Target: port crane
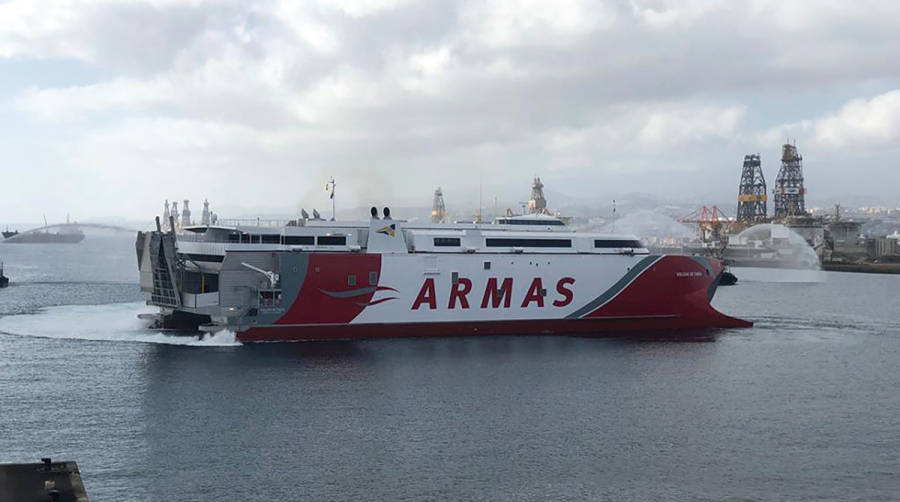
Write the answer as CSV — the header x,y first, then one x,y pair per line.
x,y
712,223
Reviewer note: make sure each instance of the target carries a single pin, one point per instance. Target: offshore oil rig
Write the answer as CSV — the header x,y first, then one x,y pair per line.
x,y
789,197
438,209
752,192
715,227
789,193
835,243
536,205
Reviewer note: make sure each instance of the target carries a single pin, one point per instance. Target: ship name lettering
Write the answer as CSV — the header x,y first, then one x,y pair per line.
x,y
535,293
459,292
498,293
426,295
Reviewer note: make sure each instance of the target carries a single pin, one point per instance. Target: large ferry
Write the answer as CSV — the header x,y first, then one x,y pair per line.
x,y
312,279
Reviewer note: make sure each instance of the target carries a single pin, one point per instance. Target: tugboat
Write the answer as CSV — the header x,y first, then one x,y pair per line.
x,y
727,278
4,281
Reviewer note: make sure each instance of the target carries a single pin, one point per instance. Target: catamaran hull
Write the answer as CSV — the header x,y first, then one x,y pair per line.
x,y
567,284
655,294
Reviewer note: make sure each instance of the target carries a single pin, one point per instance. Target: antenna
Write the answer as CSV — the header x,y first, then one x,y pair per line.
x,y
330,187
614,216
480,191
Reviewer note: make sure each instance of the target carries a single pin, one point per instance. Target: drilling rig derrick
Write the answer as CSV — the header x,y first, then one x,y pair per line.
x,y
438,210
538,203
752,197
789,191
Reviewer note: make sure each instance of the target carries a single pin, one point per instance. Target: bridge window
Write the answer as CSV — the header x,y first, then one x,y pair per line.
x,y
617,243
332,240
529,243
446,241
271,239
299,240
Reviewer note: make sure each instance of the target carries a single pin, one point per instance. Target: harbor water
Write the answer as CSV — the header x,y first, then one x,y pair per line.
x,y
803,406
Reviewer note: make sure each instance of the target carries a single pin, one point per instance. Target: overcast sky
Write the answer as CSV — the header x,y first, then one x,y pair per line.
x,y
109,107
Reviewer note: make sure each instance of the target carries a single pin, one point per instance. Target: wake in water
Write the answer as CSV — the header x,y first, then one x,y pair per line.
x,y
116,322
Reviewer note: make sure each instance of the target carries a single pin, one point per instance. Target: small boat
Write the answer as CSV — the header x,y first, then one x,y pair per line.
x,y
727,279
7,234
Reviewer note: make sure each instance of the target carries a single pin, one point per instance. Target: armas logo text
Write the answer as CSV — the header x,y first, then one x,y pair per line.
x,y
497,294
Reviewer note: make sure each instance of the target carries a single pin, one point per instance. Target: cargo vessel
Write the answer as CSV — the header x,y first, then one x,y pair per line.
x,y
68,233
37,237
322,280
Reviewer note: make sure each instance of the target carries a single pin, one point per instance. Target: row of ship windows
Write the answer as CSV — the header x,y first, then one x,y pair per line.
x,y
551,223
289,240
539,243
504,242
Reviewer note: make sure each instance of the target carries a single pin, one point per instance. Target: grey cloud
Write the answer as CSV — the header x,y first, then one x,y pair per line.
x,y
424,93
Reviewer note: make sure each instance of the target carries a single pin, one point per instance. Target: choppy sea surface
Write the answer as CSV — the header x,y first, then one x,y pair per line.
x,y
804,406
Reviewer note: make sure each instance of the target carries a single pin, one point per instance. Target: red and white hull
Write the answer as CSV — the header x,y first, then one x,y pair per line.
x,y
626,294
